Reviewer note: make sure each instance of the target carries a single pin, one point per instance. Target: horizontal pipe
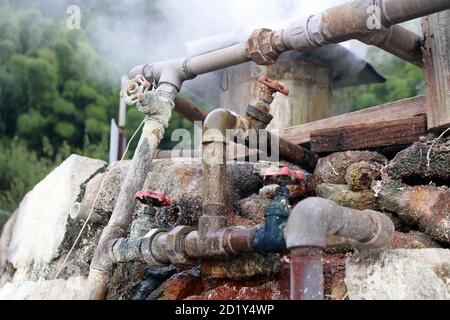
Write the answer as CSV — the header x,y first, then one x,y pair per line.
x,y
398,11
313,219
231,241
216,60
341,23
189,110
400,42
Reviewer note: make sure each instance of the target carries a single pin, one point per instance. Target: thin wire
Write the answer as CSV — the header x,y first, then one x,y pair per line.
x,y
92,210
433,145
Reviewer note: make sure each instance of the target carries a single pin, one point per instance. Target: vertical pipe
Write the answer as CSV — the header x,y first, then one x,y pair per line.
x,y
102,266
306,274
214,140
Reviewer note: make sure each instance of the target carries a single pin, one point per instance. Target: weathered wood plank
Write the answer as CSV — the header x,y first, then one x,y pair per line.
x,y
403,109
381,134
437,68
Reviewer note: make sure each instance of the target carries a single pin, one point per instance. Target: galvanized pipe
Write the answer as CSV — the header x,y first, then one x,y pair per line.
x,y
312,220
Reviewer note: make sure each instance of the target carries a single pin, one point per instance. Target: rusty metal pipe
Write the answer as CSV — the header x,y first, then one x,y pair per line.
x,y
398,11
306,272
364,20
189,110
311,221
293,153
214,158
182,248
398,41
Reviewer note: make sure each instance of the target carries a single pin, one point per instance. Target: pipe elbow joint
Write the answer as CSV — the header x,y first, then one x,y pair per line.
x,y
313,219
307,225
385,232
216,125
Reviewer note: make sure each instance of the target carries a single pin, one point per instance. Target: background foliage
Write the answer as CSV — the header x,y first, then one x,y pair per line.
x,y
54,99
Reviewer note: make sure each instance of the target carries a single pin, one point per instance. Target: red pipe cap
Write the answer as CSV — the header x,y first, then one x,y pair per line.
x,y
151,198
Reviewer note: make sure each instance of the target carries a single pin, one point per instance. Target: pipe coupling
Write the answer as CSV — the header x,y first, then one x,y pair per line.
x,y
175,245
146,248
305,34
385,232
265,46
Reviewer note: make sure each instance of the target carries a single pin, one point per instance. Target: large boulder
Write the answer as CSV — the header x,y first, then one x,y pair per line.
x,y
38,226
418,274
34,236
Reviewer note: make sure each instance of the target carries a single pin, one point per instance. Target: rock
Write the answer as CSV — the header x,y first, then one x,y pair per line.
x,y
413,167
185,211
59,289
359,176
268,192
252,208
154,278
182,176
183,285
235,291
425,206
412,240
341,195
296,191
333,169
334,276
419,274
36,233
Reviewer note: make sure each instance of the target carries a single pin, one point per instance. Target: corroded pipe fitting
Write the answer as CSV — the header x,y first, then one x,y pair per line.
x,y
153,257
264,46
313,219
182,245
175,246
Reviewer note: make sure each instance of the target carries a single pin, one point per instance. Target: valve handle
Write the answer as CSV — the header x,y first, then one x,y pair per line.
x,y
157,200
135,89
273,85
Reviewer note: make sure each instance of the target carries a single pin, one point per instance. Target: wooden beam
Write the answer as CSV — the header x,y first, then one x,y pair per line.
x,y
380,134
398,110
437,68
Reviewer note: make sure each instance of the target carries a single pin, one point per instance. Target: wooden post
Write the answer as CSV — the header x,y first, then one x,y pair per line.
x,y
436,55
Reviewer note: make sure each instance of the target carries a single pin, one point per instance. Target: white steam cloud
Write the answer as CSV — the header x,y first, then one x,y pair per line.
x,y
131,38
